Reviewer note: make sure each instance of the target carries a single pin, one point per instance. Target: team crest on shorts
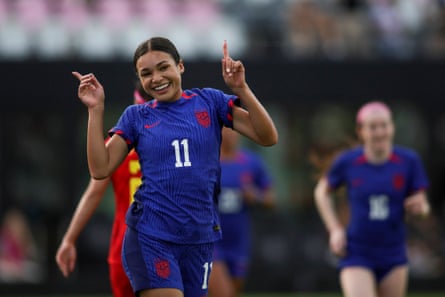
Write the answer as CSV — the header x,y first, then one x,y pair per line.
x,y
162,268
203,118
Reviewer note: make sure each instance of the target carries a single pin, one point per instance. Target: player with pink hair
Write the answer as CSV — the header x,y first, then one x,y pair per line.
x,y
374,107
384,183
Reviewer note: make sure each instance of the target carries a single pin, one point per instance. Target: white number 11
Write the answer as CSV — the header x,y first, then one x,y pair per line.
x,y
207,269
185,145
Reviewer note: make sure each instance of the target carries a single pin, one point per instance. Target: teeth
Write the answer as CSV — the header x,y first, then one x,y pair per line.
x,y
161,87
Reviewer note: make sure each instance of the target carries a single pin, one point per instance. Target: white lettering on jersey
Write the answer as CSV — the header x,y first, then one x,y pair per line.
x,y
230,200
185,145
378,207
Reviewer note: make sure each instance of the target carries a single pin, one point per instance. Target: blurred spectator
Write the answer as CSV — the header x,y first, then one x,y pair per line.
x,y
398,25
328,29
303,30
434,44
390,40
355,29
18,253
263,21
314,31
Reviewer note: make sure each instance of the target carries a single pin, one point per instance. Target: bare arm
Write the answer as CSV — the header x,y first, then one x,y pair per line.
x,y
255,122
66,254
269,198
323,201
102,159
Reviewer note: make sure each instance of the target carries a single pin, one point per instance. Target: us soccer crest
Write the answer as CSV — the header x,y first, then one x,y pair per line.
x,y
398,181
162,268
203,118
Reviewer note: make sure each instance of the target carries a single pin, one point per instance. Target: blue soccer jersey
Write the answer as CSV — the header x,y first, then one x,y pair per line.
x,y
178,144
376,195
244,172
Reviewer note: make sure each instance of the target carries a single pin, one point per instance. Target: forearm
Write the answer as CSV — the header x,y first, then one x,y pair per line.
x,y
258,116
328,215
325,207
96,151
269,198
88,204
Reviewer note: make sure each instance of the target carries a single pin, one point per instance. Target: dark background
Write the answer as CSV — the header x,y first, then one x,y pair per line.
x,y
43,167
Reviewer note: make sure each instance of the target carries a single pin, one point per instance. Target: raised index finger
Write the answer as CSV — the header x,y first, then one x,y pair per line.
x,y
77,75
225,50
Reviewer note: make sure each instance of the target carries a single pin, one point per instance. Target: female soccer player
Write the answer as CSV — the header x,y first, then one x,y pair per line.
x,y
125,181
244,183
384,183
173,221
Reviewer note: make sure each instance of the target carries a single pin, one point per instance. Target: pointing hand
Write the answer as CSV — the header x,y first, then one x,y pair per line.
x,y
233,71
90,91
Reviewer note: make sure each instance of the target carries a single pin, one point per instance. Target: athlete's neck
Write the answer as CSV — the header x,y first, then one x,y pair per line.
x,y
377,156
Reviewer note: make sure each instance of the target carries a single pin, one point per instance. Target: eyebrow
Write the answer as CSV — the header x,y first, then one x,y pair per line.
x,y
157,65
162,62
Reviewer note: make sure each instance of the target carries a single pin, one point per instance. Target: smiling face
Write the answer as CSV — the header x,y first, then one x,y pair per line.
x,y
160,75
376,129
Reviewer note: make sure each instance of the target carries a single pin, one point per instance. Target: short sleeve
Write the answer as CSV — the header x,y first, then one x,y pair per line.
x,y
336,175
125,126
262,178
224,104
419,179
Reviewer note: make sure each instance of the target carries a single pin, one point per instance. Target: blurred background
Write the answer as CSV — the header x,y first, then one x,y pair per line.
x,y
311,62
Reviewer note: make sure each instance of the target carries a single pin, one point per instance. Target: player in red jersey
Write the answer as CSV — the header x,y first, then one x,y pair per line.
x,y
125,181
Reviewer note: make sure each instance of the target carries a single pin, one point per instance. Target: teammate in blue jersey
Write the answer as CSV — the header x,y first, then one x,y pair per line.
x,y
244,183
173,221
384,184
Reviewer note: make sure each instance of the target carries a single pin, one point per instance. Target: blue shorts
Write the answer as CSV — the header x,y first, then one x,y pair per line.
x,y
237,263
379,260
152,263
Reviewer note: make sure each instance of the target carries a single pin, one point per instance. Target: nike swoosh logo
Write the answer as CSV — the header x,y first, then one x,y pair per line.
x,y
149,126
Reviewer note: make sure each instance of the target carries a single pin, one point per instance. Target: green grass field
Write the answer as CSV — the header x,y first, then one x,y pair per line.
x,y
295,294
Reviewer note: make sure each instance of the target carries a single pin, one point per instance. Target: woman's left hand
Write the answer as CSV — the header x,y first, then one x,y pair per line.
x,y
233,71
417,205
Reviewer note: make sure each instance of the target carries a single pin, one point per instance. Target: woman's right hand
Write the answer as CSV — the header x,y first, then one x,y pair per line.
x,y
337,242
90,91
